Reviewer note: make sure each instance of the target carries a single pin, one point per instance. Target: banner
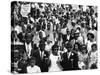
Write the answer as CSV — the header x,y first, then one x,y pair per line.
x,y
25,9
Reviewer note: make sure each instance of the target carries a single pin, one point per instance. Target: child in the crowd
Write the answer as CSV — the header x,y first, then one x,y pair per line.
x,y
32,68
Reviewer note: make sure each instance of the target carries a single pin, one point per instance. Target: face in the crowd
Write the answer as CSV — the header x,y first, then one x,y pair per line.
x,y
24,61
84,51
28,40
72,31
67,31
76,46
32,63
22,23
55,51
76,35
90,37
40,35
69,49
94,47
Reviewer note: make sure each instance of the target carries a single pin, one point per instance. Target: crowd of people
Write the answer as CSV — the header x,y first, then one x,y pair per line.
x,y
48,37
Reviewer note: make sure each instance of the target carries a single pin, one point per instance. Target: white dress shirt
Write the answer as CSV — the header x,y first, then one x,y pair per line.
x,y
34,69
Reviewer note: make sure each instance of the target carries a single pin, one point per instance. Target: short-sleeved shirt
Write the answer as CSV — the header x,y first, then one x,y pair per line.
x,y
34,69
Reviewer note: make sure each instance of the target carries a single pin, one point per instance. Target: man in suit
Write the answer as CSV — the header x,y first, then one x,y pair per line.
x,y
28,43
42,57
69,59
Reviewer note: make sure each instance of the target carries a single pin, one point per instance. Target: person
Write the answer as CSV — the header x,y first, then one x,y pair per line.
x,y
33,68
22,65
14,65
28,43
54,58
93,57
49,45
90,41
41,57
76,47
83,57
69,59
78,36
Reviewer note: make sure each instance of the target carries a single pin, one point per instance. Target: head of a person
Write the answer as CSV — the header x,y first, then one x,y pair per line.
x,y
76,46
48,42
28,37
40,35
84,49
67,31
32,61
90,36
72,31
42,45
77,33
94,47
23,60
68,47
22,23
55,49
13,36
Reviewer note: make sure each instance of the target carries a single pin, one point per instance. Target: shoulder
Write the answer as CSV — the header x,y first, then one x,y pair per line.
x,y
36,67
28,67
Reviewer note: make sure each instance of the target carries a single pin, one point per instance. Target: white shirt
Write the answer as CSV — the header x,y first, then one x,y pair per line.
x,y
18,29
54,66
80,39
28,46
49,46
34,69
42,54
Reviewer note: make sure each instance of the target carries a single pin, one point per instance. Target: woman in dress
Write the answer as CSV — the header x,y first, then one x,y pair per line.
x,y
83,58
93,57
55,58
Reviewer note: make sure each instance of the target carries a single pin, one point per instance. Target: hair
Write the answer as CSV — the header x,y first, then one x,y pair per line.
x,y
84,47
68,45
92,35
94,45
54,46
78,45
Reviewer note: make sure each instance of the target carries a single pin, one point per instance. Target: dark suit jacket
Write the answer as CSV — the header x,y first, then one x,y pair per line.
x,y
42,63
70,63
